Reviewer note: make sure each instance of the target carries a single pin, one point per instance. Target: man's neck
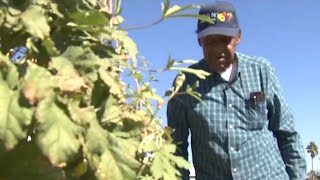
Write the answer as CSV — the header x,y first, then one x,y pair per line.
x,y
226,75
231,72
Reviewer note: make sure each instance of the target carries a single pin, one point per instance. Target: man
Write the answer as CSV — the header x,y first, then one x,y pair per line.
x,y
242,129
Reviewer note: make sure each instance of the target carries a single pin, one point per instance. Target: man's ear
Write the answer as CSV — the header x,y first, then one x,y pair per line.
x,y
200,42
238,37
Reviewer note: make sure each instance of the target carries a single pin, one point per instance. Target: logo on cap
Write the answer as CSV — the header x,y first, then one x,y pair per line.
x,y
220,16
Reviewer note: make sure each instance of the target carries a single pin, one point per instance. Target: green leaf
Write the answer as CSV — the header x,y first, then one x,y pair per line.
x,y
150,94
2,15
95,140
200,73
91,18
53,6
43,2
195,95
49,45
112,112
13,117
162,167
13,11
118,20
157,167
62,65
31,45
164,163
57,135
151,146
170,63
82,116
128,130
55,10
116,88
180,162
112,157
35,22
68,79
118,6
84,58
175,9
168,150
90,3
74,53
123,39
8,72
195,85
165,7
11,18
173,12
137,75
38,83
118,161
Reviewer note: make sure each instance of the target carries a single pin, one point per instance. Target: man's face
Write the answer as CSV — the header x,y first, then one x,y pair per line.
x,y
219,51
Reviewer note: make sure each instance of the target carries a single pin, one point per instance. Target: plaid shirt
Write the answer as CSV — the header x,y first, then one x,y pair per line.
x,y
242,129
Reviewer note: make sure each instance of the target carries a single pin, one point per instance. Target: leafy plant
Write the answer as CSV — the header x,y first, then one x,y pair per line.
x,y
312,148
65,113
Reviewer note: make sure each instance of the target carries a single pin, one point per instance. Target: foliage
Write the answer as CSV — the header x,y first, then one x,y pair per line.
x,y
312,148
67,114
313,175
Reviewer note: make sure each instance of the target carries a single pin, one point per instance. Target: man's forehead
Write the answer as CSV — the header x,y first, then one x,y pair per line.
x,y
217,36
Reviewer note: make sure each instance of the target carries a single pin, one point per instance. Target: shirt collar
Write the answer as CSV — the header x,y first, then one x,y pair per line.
x,y
241,63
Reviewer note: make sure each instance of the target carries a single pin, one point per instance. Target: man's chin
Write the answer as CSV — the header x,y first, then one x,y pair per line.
x,y
222,68
221,71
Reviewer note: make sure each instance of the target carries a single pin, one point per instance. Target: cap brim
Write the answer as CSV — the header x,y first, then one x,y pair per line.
x,y
227,31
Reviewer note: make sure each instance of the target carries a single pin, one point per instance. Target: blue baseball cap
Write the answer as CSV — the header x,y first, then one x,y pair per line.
x,y
225,20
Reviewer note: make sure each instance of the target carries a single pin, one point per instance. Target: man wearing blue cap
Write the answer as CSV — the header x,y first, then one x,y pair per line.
x,y
243,128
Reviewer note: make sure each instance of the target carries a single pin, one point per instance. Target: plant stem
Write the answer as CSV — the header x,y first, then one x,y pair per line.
x,y
144,26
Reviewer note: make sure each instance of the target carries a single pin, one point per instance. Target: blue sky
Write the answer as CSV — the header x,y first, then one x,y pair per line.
x,y
285,32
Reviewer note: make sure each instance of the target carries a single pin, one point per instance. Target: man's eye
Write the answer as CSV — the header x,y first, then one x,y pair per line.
x,y
212,42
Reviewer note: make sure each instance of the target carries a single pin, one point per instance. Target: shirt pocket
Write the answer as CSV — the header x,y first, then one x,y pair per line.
x,y
256,113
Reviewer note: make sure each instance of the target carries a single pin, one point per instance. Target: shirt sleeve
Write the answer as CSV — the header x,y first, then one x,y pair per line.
x,y
282,125
176,115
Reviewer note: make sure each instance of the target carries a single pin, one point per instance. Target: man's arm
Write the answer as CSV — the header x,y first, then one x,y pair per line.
x,y
282,125
176,115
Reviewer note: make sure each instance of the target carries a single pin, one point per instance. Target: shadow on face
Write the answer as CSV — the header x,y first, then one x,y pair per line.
x,y
219,51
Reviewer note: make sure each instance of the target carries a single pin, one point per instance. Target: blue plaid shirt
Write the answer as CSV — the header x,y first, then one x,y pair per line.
x,y
242,129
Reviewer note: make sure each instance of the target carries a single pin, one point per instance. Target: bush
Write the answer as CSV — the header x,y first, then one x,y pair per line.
x,y
65,112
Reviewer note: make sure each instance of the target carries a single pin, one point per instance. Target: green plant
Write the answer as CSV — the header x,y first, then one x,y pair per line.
x,y
67,114
312,148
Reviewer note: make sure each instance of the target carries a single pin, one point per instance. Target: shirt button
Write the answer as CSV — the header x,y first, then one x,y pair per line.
x,y
230,105
230,126
234,169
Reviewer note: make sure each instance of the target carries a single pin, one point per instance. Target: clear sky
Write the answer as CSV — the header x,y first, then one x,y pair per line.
x,y
285,32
